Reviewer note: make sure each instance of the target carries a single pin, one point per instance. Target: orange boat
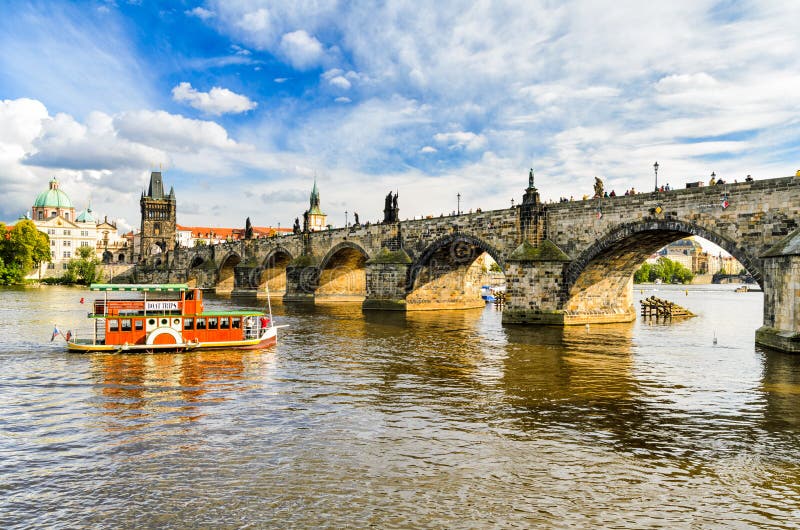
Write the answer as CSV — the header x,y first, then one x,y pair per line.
x,y
171,319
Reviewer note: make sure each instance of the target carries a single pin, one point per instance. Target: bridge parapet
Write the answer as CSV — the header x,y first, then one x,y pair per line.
x,y
564,263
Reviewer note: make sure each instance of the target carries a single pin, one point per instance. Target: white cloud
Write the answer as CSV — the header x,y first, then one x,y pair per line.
x,y
255,21
340,82
428,149
200,12
342,99
461,140
65,143
682,82
217,101
159,128
301,49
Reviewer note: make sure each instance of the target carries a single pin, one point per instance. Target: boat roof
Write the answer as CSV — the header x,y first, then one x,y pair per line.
x,y
145,287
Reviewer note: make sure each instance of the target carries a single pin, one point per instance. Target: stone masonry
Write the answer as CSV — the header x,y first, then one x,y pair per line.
x,y
565,263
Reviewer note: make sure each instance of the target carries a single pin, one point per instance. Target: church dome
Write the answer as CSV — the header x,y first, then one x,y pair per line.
x,y
86,216
53,197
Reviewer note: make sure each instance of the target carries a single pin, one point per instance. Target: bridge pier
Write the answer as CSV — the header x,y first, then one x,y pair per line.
x,y
533,283
781,329
302,279
387,275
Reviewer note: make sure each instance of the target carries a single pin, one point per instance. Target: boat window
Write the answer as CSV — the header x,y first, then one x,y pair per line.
x,y
201,323
188,323
212,322
126,324
113,324
224,323
138,324
236,323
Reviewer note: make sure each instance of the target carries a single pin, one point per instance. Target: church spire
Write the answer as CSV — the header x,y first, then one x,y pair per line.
x,y
314,202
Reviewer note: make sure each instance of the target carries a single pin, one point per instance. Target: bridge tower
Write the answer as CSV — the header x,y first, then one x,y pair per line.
x,y
158,219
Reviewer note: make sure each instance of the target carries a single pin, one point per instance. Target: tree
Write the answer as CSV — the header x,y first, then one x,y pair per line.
x,y
643,274
84,269
21,250
666,270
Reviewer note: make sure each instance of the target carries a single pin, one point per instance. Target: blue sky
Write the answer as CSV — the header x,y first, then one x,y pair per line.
x,y
243,102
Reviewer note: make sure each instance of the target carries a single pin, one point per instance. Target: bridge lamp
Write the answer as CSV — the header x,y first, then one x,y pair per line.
x,y
345,218
458,205
655,168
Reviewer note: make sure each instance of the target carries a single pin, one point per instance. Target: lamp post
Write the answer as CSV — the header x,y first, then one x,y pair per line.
x,y
458,205
655,168
512,202
345,218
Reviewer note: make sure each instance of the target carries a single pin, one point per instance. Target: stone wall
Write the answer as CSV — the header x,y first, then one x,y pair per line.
x,y
576,267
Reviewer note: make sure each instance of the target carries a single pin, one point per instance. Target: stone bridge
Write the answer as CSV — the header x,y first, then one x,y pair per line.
x,y
565,263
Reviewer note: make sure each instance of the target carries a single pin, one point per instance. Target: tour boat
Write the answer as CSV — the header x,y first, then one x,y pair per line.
x,y
170,319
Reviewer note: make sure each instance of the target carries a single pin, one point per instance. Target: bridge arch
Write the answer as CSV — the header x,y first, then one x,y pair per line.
x,y
601,277
342,274
226,275
272,272
194,274
448,273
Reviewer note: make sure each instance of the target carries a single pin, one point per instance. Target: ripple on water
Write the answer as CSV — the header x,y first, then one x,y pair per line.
x,y
445,419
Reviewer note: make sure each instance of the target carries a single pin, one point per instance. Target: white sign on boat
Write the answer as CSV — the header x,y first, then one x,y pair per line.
x,y
160,306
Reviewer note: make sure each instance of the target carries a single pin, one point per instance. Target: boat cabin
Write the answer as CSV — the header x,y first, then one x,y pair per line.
x,y
166,314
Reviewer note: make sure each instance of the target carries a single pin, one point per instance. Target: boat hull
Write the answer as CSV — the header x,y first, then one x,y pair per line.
x,y
267,339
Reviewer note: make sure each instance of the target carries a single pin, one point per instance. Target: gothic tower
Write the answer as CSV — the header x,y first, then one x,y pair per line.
x,y
316,219
158,218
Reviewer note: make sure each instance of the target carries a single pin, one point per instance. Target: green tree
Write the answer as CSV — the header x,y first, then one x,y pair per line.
x,y
643,274
666,270
85,268
22,249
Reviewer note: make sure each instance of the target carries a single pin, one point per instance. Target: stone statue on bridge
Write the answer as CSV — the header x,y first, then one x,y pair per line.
x,y
356,223
391,213
248,229
598,188
305,221
296,227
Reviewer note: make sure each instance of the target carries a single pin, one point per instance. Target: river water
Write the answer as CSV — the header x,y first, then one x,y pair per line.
x,y
419,420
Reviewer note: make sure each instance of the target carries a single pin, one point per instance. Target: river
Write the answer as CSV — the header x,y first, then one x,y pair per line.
x,y
418,420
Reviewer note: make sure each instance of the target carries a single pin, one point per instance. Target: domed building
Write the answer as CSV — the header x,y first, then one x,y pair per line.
x,y
52,203
54,214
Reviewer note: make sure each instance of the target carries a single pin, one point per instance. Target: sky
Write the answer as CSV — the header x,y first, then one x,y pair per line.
x,y
241,104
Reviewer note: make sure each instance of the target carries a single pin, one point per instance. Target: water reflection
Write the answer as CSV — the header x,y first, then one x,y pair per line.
x,y
426,419
149,390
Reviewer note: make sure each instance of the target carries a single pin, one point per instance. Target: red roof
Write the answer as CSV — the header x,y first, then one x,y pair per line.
x,y
229,233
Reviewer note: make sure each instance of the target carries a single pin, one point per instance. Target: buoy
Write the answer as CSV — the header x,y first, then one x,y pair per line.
x,y
715,337
687,292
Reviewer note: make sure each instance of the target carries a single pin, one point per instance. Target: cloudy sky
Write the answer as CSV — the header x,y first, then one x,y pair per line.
x,y
243,102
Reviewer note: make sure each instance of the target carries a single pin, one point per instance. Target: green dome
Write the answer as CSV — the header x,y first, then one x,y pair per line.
x,y
53,198
86,216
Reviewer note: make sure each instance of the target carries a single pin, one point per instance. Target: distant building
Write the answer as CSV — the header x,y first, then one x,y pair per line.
x,y
688,253
190,236
691,255
158,211
316,219
54,214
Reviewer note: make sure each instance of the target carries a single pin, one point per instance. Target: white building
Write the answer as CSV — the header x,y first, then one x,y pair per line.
x,y
54,214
